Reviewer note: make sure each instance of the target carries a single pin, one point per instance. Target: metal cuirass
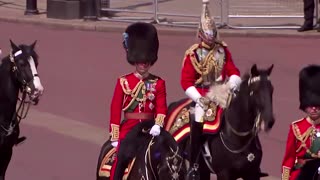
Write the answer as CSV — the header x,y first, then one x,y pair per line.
x,y
211,63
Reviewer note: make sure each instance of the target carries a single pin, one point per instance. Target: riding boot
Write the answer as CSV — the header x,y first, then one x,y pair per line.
x,y
120,169
195,148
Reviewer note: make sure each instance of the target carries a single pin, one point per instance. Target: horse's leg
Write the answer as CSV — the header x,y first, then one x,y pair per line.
x,y
6,154
104,150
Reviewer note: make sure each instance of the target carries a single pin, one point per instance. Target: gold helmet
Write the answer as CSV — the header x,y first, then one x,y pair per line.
x,y
207,28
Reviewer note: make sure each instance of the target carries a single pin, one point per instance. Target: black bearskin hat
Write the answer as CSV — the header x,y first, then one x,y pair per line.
x,y
141,42
309,86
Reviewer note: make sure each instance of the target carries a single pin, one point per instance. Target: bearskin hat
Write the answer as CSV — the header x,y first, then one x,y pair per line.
x,y
309,86
141,42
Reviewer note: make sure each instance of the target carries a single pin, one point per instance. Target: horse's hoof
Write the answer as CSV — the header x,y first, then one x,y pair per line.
x,y
20,140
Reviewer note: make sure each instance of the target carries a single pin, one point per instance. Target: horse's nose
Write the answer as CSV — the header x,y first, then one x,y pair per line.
x,y
38,86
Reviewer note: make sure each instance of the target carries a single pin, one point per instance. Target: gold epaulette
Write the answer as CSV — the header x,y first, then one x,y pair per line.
x,y
297,121
296,130
123,76
222,43
189,51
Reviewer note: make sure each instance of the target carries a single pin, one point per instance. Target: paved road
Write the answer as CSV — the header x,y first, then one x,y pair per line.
x,y
78,70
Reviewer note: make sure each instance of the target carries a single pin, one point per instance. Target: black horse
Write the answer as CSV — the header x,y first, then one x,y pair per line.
x,y
234,151
156,158
18,76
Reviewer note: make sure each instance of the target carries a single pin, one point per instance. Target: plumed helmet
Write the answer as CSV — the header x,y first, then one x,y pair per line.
x,y
207,27
309,86
141,42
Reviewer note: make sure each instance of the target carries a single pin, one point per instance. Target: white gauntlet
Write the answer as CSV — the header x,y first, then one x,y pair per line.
x,y
193,93
234,82
155,130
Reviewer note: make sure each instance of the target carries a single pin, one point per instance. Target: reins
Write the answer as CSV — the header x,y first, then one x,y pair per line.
x,y
20,113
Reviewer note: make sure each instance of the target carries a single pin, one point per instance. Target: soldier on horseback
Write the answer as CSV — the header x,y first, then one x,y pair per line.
x,y
140,95
303,141
204,64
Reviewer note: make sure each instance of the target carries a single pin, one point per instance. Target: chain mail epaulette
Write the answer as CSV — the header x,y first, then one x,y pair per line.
x,y
222,43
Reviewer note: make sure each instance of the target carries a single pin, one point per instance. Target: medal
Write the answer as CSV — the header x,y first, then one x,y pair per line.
x,y
151,106
151,96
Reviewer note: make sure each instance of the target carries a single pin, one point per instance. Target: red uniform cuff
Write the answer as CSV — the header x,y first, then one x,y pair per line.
x,y
114,132
160,119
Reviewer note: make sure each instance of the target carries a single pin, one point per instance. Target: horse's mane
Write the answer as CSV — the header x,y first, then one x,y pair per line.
x,y
246,77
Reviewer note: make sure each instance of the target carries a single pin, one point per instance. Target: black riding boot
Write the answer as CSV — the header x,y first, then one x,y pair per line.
x,y
120,168
195,148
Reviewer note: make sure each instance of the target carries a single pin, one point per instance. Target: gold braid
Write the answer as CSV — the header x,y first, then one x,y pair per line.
x,y
303,138
133,93
205,66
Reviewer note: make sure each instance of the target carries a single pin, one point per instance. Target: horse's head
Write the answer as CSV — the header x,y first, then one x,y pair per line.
x,y
260,91
24,62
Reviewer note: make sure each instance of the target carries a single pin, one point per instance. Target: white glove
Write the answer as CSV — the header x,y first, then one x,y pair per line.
x,y
155,130
114,143
234,82
193,93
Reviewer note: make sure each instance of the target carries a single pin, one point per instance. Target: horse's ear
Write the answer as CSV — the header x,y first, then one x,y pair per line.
x,y
254,71
33,45
270,70
13,46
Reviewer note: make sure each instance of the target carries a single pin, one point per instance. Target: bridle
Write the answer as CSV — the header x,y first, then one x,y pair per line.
x,y
253,131
174,169
22,111
24,84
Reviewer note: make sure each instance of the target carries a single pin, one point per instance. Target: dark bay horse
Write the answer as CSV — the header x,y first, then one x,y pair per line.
x,y
234,151
156,158
18,74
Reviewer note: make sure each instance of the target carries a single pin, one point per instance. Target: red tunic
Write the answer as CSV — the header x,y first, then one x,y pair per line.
x,y
295,150
189,75
151,98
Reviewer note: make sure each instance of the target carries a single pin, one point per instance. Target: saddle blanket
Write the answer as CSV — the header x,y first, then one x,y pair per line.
x,y
178,121
107,162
